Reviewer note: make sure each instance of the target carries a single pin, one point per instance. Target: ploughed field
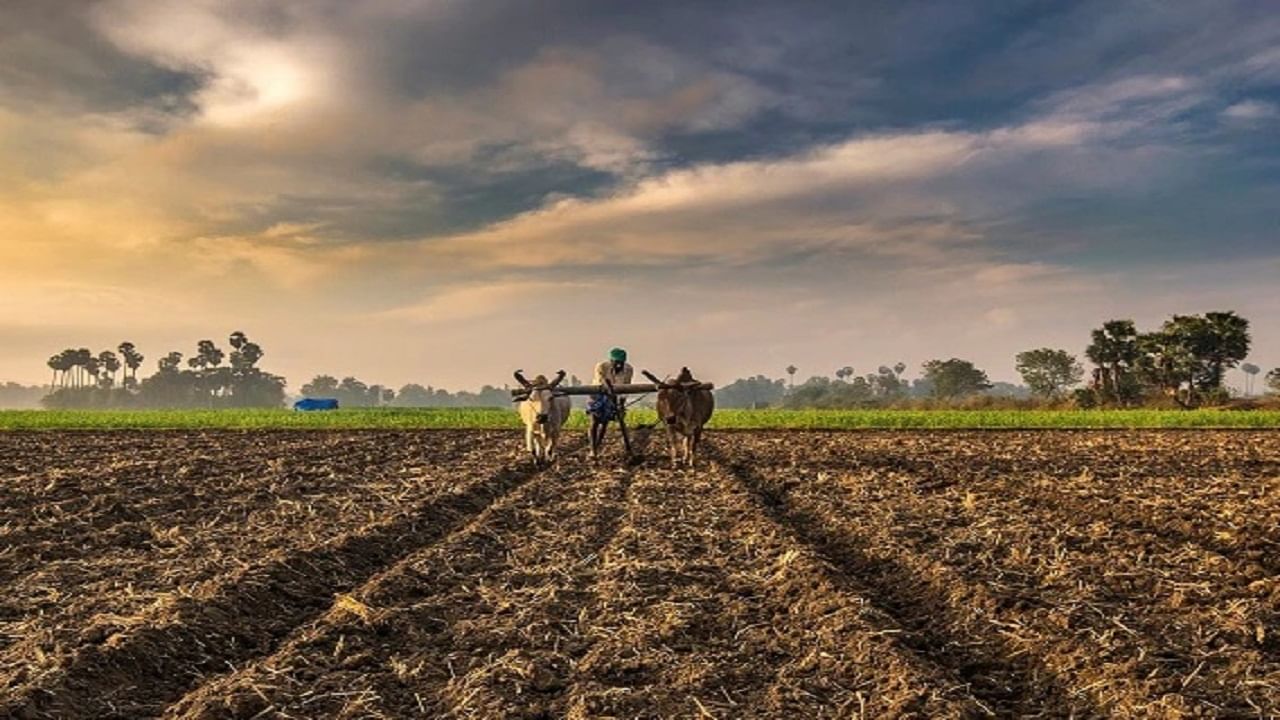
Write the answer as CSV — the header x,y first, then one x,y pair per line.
x,y
793,574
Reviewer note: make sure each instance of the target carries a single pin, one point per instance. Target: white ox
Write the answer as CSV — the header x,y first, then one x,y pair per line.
x,y
544,413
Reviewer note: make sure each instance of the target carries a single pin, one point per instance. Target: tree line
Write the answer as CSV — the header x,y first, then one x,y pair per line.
x,y
16,396
353,392
940,381
109,379
1183,362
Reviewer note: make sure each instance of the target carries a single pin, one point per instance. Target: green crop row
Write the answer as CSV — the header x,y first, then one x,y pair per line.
x,y
498,418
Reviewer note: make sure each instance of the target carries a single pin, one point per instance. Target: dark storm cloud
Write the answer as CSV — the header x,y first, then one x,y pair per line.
x,y
843,160
52,57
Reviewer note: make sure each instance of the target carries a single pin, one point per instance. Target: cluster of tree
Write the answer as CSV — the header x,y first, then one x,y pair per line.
x,y
1049,373
942,380
1186,359
849,389
83,379
351,392
14,396
751,393
80,368
415,395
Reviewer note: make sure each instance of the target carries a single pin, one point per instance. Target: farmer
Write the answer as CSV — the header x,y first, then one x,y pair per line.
x,y
601,407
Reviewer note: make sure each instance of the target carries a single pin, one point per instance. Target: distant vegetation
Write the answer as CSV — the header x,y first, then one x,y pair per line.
x,y
82,379
21,397
1182,364
1185,361
495,418
354,393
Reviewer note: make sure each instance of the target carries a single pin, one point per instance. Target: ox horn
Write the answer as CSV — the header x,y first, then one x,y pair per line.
x,y
519,376
559,378
654,379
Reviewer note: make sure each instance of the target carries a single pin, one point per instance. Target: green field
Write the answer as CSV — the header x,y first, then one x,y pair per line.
x,y
493,418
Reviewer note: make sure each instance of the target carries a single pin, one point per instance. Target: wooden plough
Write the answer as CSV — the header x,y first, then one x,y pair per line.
x,y
614,391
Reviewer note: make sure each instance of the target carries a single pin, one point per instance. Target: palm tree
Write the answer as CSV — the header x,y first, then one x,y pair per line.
x,y
170,362
132,361
1250,372
1114,350
80,360
111,364
207,355
62,363
791,370
69,378
55,362
93,368
1229,345
245,354
66,361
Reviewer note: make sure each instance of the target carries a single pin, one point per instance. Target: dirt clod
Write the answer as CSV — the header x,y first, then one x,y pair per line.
x,y
801,574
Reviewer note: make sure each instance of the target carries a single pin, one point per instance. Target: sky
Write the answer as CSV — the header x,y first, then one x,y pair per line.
x,y
441,191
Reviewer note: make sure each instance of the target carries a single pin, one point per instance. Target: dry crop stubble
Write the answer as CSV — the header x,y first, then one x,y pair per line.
x,y
1140,623
482,623
816,574
181,628
708,608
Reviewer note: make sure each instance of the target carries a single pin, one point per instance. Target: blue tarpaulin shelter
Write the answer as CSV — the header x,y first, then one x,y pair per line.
x,y
316,404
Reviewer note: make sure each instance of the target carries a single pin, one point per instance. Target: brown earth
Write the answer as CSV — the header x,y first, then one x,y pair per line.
x,y
793,574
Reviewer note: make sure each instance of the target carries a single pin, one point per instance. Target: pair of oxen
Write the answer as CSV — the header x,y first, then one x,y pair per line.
x,y
684,406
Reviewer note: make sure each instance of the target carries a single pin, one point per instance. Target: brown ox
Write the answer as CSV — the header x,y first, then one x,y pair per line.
x,y
544,412
685,408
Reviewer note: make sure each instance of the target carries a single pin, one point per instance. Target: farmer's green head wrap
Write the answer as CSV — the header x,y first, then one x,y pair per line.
x,y
618,355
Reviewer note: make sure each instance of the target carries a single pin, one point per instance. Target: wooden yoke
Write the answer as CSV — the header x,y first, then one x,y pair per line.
x,y
616,393
629,389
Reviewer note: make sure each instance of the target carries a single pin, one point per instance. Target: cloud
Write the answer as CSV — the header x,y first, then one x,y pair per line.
x,y
776,178
1251,111
878,195
468,303
247,73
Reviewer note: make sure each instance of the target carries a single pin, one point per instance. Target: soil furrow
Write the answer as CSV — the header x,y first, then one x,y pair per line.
x,y
480,620
996,672
194,575
1176,626
99,507
60,605
1201,602
135,673
1140,625
1253,539
705,608
524,658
